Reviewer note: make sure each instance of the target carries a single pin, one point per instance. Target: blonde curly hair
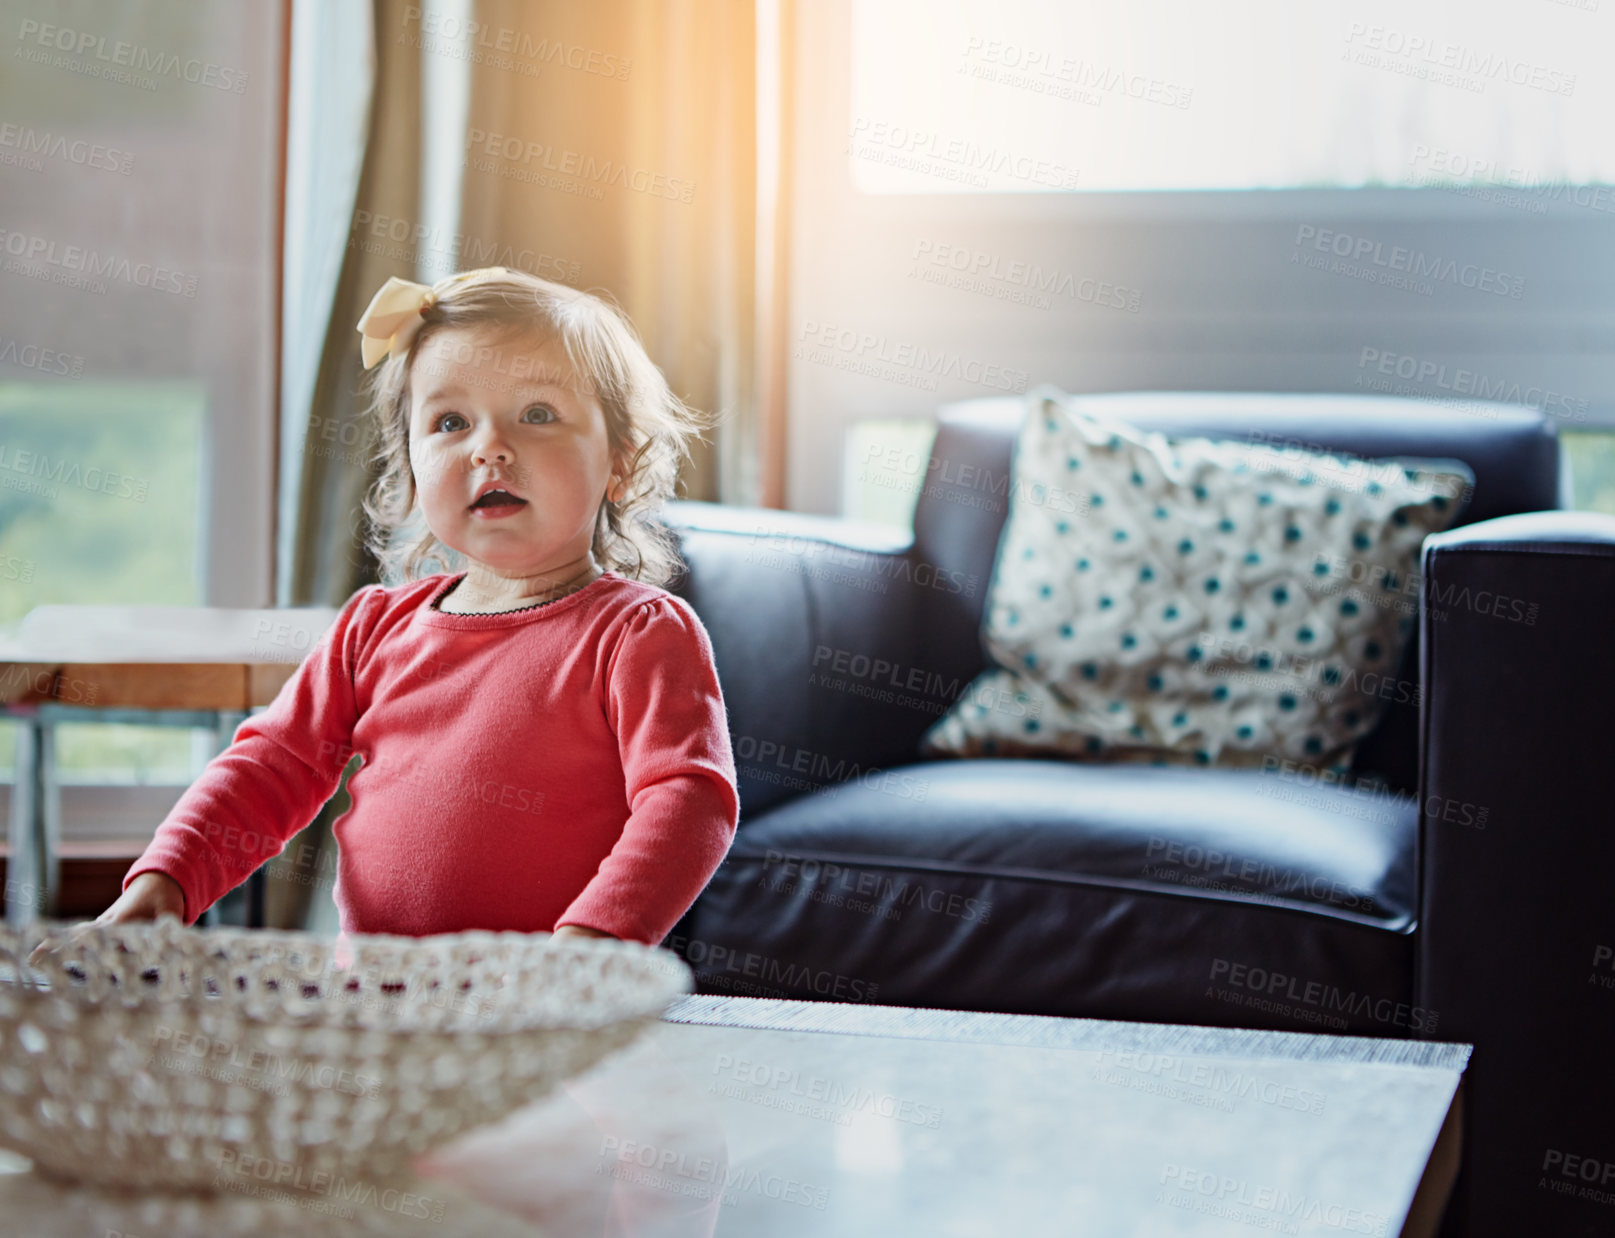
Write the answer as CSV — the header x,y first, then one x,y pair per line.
x,y
646,424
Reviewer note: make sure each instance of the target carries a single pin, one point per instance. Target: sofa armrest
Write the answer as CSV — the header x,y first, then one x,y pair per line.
x,y
812,620
1516,942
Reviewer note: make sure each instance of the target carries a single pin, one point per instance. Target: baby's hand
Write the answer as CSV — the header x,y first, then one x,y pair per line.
x,y
577,930
150,895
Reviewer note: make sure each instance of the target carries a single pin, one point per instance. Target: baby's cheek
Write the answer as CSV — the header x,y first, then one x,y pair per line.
x,y
427,467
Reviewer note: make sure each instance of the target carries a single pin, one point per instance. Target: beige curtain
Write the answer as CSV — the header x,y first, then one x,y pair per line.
x,y
590,165
609,149
329,562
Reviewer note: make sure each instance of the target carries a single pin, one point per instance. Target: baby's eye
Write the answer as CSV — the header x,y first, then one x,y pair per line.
x,y
444,421
547,414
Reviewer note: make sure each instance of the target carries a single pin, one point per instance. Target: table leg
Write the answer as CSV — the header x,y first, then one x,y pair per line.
x,y
32,869
257,884
210,917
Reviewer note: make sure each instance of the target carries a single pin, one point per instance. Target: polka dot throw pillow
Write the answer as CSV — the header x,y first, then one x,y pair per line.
x,y
1194,601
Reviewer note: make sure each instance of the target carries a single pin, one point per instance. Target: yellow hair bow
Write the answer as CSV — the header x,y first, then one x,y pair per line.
x,y
398,311
394,316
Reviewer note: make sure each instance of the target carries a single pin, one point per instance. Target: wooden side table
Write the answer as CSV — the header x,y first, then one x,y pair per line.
x,y
136,665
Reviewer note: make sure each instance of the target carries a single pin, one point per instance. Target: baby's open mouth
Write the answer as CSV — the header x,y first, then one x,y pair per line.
x,y
498,498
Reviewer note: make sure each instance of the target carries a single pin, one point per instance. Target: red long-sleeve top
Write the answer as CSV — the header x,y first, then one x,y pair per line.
x,y
567,763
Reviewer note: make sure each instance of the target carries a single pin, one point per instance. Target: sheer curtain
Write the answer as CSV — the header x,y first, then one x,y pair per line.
x,y
139,228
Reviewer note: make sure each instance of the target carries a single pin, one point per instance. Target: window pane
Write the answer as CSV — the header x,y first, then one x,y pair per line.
x,y
885,468
99,491
100,486
1018,96
1592,470
887,460
139,158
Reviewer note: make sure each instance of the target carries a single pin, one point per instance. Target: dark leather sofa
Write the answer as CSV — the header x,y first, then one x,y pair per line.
x,y
1457,889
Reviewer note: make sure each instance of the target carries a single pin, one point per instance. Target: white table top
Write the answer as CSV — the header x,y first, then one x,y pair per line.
x,y
828,1119
165,634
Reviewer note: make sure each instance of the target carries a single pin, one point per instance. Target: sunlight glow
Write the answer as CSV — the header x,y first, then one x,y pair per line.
x,y
1012,96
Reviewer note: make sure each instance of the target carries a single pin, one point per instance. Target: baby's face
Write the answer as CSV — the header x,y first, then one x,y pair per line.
x,y
515,417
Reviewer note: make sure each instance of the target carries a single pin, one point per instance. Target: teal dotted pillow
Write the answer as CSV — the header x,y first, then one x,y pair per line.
x,y
1195,601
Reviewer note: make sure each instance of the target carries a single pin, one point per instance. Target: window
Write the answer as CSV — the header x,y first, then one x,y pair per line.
x,y
887,461
139,252
1267,197
1592,470
981,96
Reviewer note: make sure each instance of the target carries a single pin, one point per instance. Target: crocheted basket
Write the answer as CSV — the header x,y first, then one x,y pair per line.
x,y
154,1056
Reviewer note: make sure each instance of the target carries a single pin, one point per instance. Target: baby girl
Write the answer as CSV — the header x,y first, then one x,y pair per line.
x,y
543,738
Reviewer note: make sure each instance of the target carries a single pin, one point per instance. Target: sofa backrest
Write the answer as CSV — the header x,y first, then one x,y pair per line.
x,y
1514,452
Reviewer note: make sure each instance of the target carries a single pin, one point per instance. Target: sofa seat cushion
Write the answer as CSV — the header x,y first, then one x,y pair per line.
x,y
1226,897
